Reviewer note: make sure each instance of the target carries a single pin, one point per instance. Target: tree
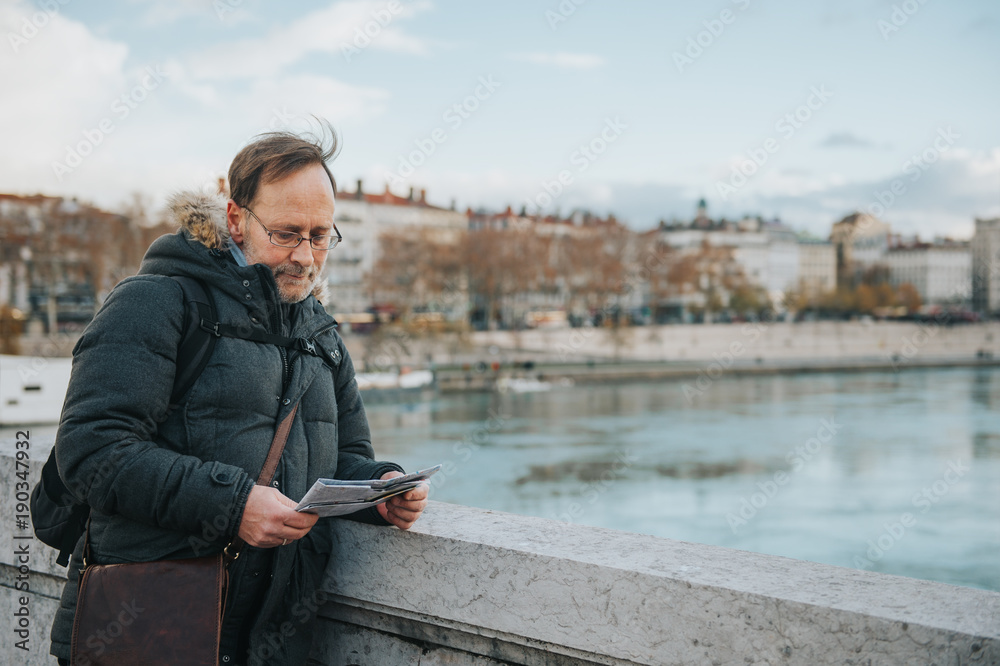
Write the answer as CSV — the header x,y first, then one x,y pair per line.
x,y
885,295
711,271
908,296
867,299
747,299
590,265
501,263
417,270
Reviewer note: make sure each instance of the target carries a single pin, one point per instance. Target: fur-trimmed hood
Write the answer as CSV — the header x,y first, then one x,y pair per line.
x,y
204,217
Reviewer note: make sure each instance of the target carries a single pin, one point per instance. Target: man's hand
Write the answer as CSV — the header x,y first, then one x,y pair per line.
x,y
403,510
270,519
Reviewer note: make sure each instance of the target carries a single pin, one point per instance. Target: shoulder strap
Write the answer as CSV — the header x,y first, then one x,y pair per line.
x,y
197,344
308,345
57,516
232,551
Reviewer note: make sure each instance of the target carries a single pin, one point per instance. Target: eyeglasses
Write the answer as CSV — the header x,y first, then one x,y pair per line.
x,y
290,239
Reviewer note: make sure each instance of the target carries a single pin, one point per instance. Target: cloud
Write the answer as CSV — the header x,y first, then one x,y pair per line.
x,y
158,13
846,140
945,198
59,82
320,95
561,59
358,25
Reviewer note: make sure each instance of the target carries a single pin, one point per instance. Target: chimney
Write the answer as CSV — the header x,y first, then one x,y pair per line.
x,y
358,195
423,196
222,189
411,194
453,204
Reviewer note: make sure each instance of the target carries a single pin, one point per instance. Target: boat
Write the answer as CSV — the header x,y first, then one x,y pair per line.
x,y
32,389
522,385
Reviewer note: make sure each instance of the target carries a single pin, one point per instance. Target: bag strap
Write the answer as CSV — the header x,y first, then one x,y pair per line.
x,y
193,354
196,345
216,329
232,551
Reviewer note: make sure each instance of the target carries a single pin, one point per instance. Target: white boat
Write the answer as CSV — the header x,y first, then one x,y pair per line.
x,y
414,379
32,389
522,385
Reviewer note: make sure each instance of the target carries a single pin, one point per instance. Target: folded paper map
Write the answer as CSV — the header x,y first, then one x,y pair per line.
x,y
335,497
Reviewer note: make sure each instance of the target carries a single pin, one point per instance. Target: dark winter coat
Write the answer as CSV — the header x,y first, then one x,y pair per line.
x,y
172,484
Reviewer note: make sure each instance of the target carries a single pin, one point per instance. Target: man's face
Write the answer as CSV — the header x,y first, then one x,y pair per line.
x,y
302,203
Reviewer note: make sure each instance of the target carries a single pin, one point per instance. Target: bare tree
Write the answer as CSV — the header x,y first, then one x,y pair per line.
x,y
417,270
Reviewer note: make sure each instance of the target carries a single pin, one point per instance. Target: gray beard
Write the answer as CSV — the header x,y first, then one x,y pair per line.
x,y
250,254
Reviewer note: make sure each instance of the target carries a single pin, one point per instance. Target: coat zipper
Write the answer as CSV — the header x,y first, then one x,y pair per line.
x,y
276,327
276,323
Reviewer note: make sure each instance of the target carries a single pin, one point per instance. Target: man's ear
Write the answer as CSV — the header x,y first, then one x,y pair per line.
x,y
233,219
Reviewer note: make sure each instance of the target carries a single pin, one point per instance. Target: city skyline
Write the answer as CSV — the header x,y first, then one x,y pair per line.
x,y
828,109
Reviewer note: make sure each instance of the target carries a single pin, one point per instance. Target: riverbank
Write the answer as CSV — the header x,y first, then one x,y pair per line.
x,y
535,359
541,376
484,360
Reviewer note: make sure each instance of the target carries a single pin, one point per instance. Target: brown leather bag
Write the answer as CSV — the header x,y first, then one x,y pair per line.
x,y
159,613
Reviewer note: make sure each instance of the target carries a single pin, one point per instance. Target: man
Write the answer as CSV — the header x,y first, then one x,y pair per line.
x,y
173,483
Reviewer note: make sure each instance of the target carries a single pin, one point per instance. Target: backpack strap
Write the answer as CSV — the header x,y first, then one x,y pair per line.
x,y
197,344
307,345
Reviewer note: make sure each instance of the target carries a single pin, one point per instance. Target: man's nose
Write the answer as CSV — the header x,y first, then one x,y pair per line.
x,y
303,254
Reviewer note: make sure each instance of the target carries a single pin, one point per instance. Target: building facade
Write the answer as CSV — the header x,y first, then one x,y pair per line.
x,y
59,258
817,267
362,218
941,272
768,252
861,242
986,267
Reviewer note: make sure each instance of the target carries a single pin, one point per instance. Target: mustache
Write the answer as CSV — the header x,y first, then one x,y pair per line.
x,y
298,271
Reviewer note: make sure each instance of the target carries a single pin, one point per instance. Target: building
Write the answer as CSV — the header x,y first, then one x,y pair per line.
x,y
862,242
941,271
817,267
986,266
576,265
783,259
59,258
362,218
768,252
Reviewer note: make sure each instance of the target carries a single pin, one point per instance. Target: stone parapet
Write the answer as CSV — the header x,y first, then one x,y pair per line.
x,y
471,586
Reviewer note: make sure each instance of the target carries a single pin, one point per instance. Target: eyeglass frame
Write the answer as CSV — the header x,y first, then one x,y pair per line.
x,y
270,237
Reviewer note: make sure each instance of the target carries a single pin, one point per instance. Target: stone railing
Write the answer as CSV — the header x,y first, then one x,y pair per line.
x,y
470,586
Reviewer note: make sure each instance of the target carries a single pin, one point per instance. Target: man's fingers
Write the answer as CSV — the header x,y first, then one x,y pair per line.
x,y
418,493
284,499
405,514
409,504
300,519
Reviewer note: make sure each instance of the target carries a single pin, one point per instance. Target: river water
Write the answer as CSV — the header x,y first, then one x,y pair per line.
x,y
891,472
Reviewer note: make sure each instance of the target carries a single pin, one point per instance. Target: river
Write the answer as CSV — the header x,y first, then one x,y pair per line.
x,y
891,472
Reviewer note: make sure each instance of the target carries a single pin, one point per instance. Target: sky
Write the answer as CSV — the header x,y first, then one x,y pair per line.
x,y
802,110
